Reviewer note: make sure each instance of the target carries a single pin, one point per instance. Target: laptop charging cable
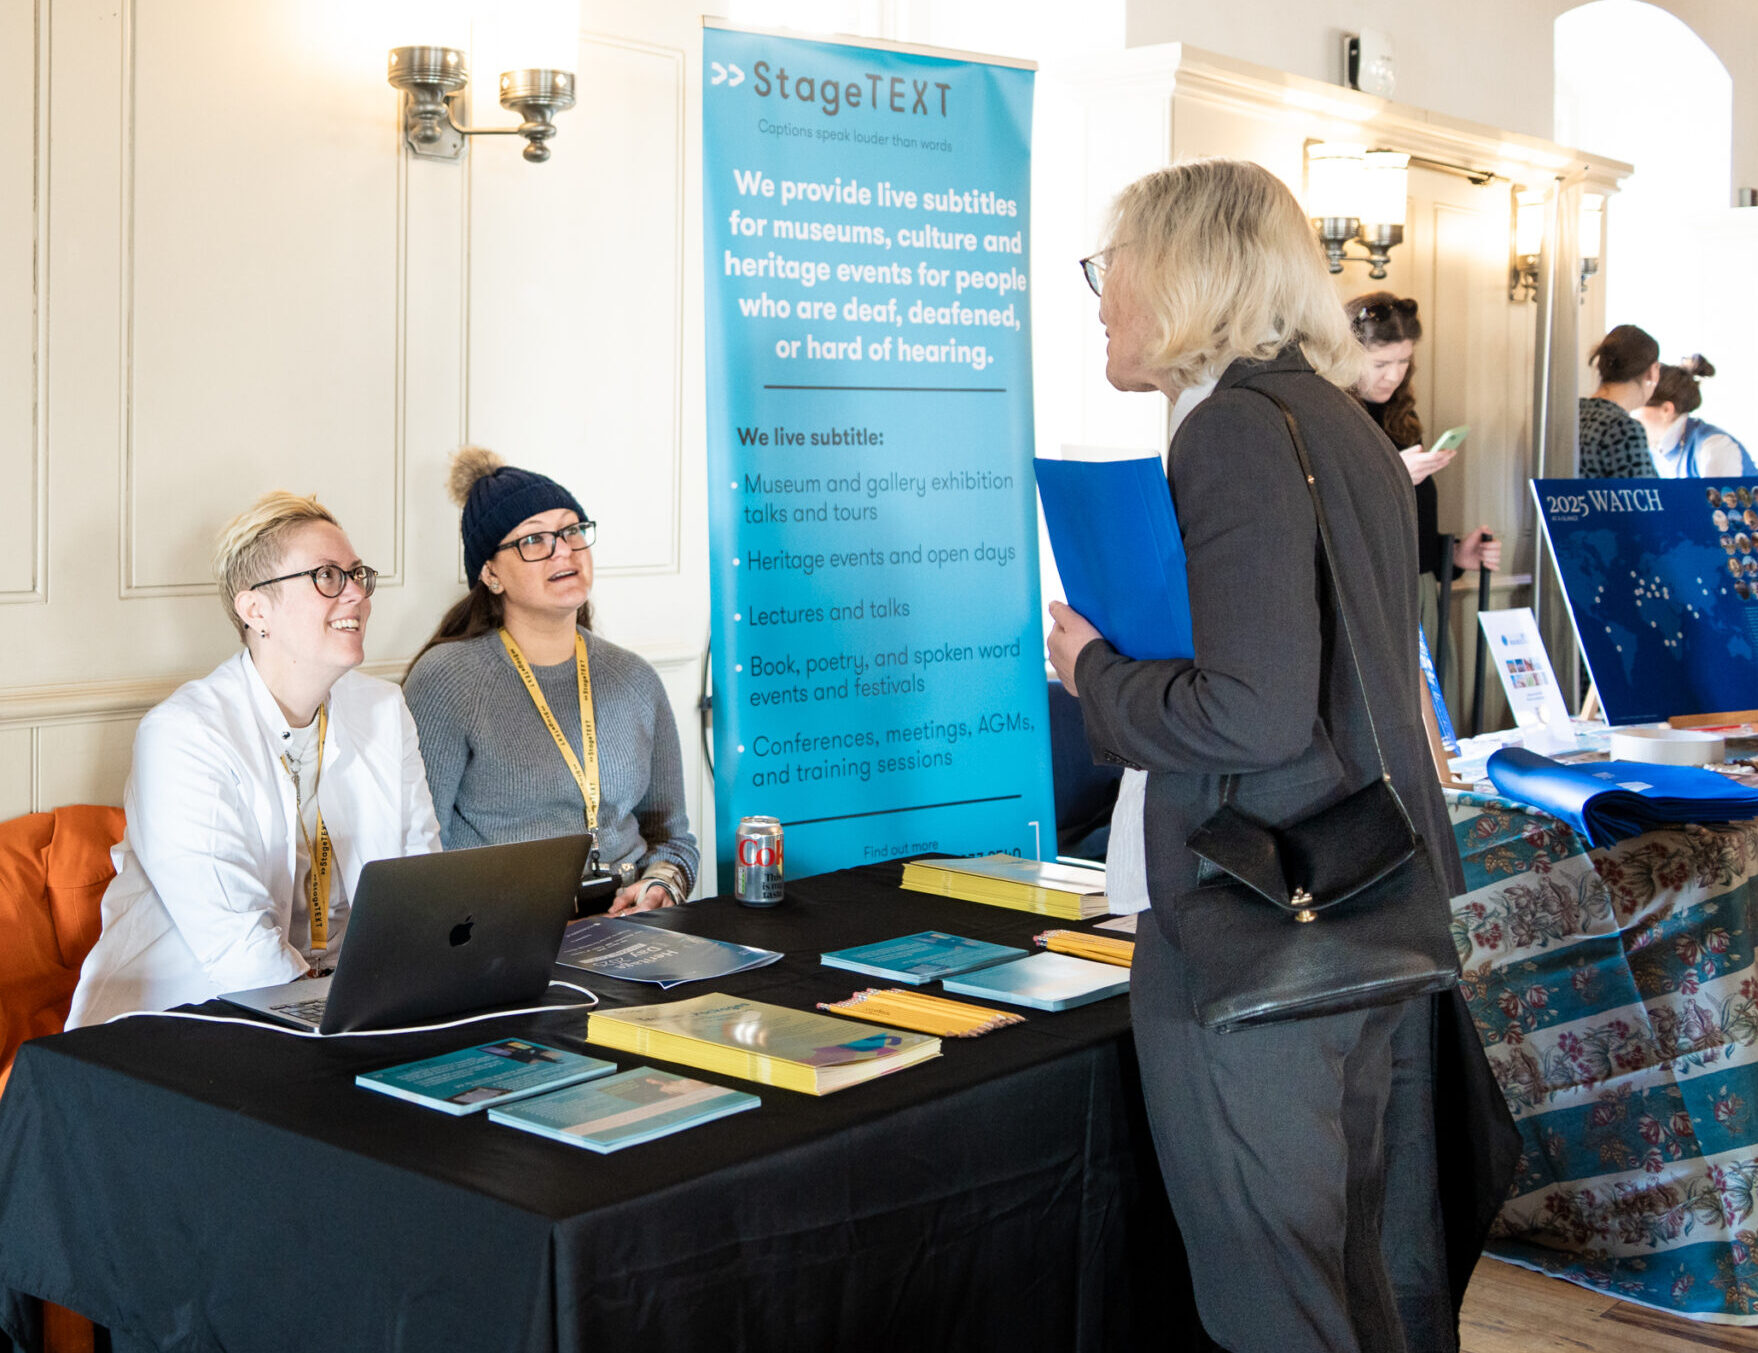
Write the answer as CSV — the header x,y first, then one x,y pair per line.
x,y
370,1033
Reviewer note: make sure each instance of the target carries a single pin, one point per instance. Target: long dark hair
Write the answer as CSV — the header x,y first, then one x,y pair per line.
x,y
1380,319
480,612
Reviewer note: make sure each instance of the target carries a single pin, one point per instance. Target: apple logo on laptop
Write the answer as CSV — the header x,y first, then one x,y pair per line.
x,y
461,931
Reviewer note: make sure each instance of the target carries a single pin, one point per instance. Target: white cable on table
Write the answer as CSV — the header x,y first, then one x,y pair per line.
x,y
243,1022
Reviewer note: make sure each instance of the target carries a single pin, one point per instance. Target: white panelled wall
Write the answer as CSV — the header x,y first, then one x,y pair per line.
x,y
219,274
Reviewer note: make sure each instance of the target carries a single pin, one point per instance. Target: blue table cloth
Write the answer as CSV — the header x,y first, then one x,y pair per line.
x,y
1616,991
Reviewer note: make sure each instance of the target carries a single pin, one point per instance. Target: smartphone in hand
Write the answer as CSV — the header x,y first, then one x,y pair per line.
x,y
1451,439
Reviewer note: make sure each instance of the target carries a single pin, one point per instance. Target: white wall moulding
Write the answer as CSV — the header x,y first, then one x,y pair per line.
x,y
73,742
576,360
24,276
262,281
1329,111
18,771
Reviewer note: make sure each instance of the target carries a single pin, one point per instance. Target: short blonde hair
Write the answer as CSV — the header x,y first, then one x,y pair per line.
x,y
253,543
1229,266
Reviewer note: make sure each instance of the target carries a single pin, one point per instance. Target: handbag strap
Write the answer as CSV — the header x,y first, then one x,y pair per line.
x,y
1324,535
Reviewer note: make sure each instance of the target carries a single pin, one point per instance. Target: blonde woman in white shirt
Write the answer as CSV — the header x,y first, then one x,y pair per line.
x,y
259,791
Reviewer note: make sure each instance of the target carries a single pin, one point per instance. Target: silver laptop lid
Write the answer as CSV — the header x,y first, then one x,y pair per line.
x,y
435,936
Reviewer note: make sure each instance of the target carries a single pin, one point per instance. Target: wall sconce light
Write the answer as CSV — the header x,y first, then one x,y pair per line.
x,y
1592,230
432,77
1353,193
1528,240
1385,195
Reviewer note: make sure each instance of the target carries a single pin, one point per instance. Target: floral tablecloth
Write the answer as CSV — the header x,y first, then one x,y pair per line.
x,y
1617,995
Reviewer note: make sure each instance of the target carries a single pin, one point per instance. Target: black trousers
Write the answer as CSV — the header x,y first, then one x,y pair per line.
x,y
1274,1146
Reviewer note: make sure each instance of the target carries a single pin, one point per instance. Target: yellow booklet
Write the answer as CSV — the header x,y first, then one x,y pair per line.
x,y
794,1049
1072,892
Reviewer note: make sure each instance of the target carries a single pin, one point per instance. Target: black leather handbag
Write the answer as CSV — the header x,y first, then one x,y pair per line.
x,y
1338,911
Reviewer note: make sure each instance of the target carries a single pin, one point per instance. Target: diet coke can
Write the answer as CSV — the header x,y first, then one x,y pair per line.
x,y
757,862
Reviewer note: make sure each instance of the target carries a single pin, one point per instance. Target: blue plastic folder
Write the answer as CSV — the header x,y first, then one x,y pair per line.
x,y
1118,549
1610,801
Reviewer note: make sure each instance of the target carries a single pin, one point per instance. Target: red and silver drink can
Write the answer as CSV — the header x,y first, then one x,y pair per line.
x,y
757,862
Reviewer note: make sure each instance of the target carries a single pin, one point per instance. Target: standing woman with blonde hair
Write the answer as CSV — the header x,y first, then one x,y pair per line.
x,y
1284,1146
258,792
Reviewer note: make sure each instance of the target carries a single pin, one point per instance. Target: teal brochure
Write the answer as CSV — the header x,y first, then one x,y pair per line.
x,y
490,1073
922,957
1119,552
624,1110
1610,801
1044,982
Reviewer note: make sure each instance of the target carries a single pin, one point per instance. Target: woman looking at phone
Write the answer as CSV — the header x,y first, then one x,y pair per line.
x,y
1388,328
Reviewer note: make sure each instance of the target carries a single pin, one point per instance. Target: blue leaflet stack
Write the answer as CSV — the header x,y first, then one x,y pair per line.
x,y
1044,982
1610,801
1118,550
625,1110
921,957
490,1073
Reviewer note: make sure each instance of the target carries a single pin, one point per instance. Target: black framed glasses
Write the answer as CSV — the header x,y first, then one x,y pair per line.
x,y
536,545
329,579
1384,310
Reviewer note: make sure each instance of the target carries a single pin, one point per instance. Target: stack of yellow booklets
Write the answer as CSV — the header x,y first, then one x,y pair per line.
x,y
794,1049
1071,892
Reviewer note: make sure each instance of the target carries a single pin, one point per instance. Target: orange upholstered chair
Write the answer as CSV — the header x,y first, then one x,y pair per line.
x,y
54,868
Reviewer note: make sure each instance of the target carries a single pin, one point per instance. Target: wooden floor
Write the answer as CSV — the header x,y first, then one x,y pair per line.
x,y
1513,1310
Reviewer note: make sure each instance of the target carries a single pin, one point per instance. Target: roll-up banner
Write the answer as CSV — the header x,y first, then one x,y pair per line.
x,y
878,661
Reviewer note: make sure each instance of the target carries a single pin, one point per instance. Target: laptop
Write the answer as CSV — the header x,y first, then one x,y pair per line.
x,y
435,936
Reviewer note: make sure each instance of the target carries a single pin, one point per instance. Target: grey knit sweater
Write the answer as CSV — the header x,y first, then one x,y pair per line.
x,y
497,775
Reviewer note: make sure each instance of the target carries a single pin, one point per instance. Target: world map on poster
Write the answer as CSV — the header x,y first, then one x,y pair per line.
x,y
1661,577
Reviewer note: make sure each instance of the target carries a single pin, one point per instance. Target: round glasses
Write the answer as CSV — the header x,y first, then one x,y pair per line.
x,y
329,579
536,545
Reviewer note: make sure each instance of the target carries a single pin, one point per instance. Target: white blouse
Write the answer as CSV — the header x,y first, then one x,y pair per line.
x,y
1126,855
205,891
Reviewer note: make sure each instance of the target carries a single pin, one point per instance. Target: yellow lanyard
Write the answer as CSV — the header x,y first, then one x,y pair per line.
x,y
586,778
320,853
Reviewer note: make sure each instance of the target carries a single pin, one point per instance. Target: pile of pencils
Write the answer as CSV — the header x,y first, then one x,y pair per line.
x,y
923,1013
1099,948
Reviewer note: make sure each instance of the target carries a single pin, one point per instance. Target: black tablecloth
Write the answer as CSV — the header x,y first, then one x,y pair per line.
x,y
205,1187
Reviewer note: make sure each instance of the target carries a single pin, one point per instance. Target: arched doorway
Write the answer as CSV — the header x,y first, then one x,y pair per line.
x,y
1635,82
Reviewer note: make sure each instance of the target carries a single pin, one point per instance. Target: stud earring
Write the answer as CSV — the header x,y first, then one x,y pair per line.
x,y
263,633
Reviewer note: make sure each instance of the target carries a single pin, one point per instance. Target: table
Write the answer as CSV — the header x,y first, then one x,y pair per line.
x,y
200,1187
1616,992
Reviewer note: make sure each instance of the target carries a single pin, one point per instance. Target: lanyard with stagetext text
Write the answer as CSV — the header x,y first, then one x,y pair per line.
x,y
587,777
321,854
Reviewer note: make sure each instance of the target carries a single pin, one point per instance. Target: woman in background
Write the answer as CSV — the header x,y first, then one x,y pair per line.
x,y
1684,447
1387,327
1612,443
505,688
1274,1141
282,756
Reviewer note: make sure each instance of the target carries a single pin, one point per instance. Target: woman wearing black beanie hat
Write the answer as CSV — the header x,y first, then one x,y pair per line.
x,y
530,724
